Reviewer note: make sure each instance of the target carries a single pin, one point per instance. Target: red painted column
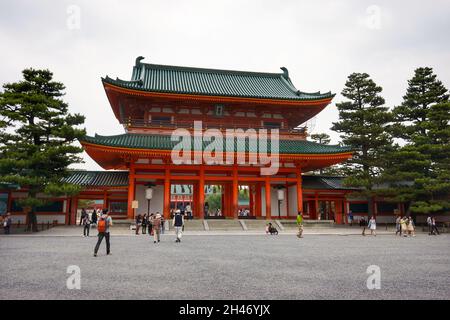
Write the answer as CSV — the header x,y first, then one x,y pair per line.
x,y
258,187
268,199
73,217
251,204
131,192
287,199
235,194
316,204
222,199
166,207
201,195
299,190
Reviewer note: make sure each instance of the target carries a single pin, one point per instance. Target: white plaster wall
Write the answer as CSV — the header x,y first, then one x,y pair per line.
x,y
157,202
292,201
273,203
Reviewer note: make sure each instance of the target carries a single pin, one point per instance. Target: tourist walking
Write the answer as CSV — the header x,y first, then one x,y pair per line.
x,y
430,225
178,223
144,223
299,224
83,214
162,223
156,228
350,218
94,217
404,226
188,210
150,224
434,229
410,227
103,225
372,226
7,223
86,225
398,227
138,223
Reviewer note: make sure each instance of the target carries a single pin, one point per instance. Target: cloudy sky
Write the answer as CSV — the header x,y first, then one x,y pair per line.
x,y
320,42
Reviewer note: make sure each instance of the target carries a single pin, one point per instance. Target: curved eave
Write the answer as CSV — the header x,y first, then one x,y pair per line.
x,y
120,87
114,157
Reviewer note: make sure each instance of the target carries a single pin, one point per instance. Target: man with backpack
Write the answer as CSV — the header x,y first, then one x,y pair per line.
x,y
103,225
178,222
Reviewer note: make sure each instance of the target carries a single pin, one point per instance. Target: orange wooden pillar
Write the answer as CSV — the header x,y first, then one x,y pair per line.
x,y
234,205
258,187
166,207
251,204
73,213
338,212
131,192
201,193
268,198
316,204
299,190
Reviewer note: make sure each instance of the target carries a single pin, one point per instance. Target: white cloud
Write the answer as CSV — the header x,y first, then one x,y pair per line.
x,y
320,42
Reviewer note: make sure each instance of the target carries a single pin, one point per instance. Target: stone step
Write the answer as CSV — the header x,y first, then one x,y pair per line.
x,y
259,224
292,224
224,225
191,225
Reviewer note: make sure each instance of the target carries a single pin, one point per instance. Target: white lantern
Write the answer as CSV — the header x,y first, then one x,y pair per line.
x,y
149,193
280,194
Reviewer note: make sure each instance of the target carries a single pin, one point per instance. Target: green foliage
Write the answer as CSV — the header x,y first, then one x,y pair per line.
x,y
37,135
419,171
321,138
363,120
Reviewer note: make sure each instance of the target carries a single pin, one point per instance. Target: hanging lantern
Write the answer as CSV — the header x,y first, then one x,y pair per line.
x,y
149,193
280,194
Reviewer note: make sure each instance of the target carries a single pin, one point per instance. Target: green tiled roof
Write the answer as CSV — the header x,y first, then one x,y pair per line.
x,y
324,182
163,142
98,178
213,82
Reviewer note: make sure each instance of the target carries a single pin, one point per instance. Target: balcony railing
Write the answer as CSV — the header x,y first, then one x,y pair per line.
x,y
222,125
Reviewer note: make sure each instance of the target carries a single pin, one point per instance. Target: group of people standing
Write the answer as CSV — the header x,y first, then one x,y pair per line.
x,y
405,226
155,225
152,222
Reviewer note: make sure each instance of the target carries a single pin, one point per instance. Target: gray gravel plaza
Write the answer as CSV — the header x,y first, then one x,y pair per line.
x,y
226,267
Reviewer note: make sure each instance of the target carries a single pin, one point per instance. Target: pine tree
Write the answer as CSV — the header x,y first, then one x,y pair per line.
x,y
363,119
321,138
335,170
419,171
36,138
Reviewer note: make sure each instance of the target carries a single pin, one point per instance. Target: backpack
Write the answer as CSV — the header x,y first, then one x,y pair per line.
x,y
101,226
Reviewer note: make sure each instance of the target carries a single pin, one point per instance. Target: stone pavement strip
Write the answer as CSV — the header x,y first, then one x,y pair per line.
x,y
237,265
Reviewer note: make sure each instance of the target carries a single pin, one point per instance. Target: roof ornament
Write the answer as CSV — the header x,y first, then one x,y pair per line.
x,y
285,72
138,61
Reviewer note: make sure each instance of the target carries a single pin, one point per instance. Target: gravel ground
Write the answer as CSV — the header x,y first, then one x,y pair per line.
x,y
226,267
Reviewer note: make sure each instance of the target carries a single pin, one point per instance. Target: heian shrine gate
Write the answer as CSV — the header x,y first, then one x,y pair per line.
x,y
159,99
207,104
